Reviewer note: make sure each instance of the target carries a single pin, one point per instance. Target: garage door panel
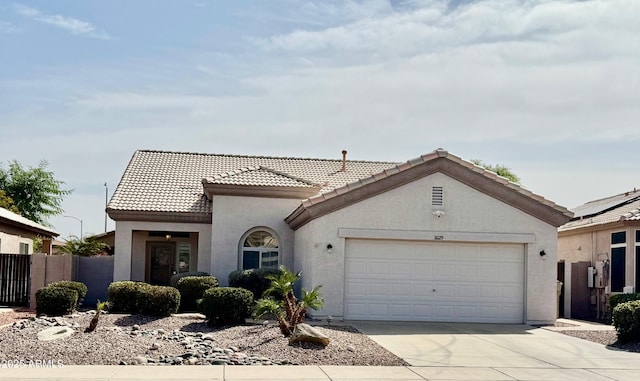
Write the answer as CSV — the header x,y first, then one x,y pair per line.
x,y
442,271
402,268
419,281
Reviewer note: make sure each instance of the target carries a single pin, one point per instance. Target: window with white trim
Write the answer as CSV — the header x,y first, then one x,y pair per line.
x,y
618,260
260,249
24,248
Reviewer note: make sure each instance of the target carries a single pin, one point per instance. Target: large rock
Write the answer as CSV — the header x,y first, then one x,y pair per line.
x,y
54,333
306,333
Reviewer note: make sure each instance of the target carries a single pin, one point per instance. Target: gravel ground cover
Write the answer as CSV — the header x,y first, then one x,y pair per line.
x,y
132,339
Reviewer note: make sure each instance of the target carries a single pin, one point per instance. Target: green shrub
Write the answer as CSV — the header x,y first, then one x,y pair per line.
x,y
158,301
254,280
79,287
123,295
56,301
192,288
626,319
226,305
173,281
621,298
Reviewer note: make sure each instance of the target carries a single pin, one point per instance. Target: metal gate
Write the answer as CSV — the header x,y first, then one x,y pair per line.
x,y
15,274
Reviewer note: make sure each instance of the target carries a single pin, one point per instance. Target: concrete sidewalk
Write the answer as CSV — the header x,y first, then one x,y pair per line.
x,y
436,351
313,373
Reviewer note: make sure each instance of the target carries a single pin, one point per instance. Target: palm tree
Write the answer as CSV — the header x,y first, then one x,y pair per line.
x,y
288,310
83,247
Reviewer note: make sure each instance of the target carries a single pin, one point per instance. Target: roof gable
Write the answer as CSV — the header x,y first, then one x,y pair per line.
x,y
261,182
438,161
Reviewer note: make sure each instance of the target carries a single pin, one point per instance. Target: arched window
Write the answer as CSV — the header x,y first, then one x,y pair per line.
x,y
260,249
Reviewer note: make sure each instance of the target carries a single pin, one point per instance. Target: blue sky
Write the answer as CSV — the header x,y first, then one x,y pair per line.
x,y
549,88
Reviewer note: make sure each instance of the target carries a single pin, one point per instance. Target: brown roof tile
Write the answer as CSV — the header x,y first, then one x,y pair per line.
x,y
160,181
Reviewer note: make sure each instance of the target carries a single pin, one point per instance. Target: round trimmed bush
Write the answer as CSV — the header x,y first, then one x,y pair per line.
x,y
254,280
79,287
158,301
226,305
192,288
626,319
123,295
616,299
56,301
173,281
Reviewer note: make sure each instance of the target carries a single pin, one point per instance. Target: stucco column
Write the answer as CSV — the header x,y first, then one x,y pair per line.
x,y
122,254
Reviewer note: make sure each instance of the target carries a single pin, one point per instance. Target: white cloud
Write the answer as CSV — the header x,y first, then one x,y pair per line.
x,y
8,28
421,30
69,24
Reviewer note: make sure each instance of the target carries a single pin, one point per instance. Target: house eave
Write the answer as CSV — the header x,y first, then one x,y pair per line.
x,y
31,229
154,216
612,225
259,191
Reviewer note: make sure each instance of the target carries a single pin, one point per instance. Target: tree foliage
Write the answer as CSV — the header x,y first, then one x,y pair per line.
x,y
35,192
499,169
84,247
7,203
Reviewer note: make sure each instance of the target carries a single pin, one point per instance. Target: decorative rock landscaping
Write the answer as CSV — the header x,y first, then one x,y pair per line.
x,y
181,340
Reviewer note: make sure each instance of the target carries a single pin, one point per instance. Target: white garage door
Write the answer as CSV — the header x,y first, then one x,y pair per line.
x,y
433,281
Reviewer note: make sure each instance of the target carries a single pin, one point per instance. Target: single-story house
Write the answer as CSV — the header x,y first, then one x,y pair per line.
x,y
435,238
599,253
17,234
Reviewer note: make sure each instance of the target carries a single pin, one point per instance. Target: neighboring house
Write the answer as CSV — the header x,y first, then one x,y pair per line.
x,y
17,234
604,235
108,238
435,238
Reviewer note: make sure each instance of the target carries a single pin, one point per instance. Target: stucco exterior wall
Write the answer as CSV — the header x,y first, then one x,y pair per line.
x,y
594,244
234,216
130,246
10,243
409,208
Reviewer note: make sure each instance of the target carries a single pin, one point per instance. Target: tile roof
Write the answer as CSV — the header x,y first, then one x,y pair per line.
x,y
160,181
601,205
172,182
621,207
26,223
259,176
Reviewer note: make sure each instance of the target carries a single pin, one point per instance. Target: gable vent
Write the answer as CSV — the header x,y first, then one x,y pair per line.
x,y
437,196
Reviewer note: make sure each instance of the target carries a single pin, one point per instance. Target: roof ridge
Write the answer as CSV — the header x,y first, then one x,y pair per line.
x,y
264,156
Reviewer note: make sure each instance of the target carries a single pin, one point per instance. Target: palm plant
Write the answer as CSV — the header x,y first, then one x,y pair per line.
x,y
287,309
83,247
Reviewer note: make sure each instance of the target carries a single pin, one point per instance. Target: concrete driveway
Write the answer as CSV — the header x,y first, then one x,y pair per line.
x,y
499,352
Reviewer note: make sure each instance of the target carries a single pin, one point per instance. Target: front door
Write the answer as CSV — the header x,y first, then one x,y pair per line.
x,y
161,262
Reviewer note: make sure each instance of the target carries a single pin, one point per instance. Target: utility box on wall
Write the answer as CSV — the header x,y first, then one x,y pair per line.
x,y
599,281
591,275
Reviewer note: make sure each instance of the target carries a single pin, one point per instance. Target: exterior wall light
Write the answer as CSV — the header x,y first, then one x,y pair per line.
x,y
329,248
543,255
168,237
